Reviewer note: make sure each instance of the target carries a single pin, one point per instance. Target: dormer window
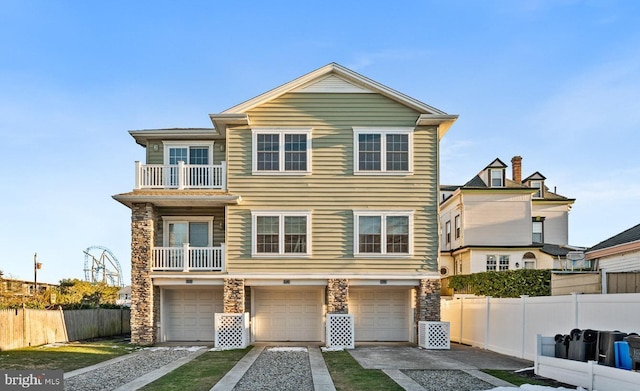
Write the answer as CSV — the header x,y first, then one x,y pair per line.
x,y
539,186
496,177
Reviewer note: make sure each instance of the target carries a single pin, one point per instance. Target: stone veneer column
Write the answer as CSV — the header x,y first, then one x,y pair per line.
x,y
338,296
143,331
234,295
428,300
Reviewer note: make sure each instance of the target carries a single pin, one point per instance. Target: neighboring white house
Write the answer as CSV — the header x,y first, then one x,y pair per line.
x,y
619,253
124,296
496,223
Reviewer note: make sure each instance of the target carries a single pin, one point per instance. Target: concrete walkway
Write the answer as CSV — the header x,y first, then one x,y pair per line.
x,y
321,378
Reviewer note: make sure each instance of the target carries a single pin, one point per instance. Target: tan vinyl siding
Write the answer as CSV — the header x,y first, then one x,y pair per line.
x,y
154,157
332,192
157,157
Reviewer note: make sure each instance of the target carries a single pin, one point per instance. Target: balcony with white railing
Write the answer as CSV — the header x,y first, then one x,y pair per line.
x,y
181,176
188,259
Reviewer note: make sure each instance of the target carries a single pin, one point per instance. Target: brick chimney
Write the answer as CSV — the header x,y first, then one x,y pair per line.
x,y
516,167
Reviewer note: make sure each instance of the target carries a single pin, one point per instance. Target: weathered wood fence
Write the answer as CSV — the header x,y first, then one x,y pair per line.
x,y
26,327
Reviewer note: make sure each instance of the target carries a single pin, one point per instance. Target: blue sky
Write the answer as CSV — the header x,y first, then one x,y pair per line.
x,y
557,82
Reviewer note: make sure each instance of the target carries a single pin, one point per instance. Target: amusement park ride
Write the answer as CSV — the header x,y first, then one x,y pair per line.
x,y
100,265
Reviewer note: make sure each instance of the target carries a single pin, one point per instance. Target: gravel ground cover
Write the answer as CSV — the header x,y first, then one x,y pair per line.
x,y
279,368
444,380
120,373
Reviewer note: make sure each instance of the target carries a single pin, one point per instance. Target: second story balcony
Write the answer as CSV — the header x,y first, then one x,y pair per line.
x,y
188,258
181,176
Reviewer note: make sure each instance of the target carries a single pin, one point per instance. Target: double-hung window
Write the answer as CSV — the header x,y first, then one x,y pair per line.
x,y
281,151
496,177
447,231
457,226
539,186
538,231
281,233
383,233
382,150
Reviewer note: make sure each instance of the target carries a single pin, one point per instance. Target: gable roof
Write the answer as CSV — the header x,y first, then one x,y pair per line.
x,y
477,183
336,78
630,235
496,164
536,176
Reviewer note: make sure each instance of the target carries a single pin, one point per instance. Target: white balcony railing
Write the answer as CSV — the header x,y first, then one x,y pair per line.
x,y
181,176
197,258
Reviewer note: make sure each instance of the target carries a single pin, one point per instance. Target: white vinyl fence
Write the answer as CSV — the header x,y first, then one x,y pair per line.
x,y
510,326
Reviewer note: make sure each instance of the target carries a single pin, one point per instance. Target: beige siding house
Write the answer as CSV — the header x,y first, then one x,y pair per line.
x,y
317,198
619,253
496,223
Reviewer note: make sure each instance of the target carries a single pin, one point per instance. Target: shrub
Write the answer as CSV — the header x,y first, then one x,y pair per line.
x,y
508,283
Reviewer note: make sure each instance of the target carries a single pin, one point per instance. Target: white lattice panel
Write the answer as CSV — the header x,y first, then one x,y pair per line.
x,y
232,331
433,335
340,331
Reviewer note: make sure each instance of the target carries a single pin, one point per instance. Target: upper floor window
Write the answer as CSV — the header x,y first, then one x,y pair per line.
x,y
281,151
496,177
281,233
378,150
447,231
537,185
457,226
538,231
383,233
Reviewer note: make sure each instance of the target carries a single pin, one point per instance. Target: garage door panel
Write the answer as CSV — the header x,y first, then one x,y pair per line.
x,y
288,314
189,313
380,314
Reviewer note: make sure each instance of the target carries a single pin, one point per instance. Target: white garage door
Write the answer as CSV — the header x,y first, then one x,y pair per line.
x,y
189,313
288,314
380,314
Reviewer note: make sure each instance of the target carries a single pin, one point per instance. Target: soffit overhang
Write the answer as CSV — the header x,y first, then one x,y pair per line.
x,y
167,199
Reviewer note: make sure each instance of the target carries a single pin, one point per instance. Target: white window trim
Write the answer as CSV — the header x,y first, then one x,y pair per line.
x,y
186,144
383,163
186,219
540,189
281,132
383,246
281,215
498,258
502,177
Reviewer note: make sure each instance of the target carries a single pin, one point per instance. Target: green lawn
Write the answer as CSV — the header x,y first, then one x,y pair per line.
x,y
202,373
67,357
348,375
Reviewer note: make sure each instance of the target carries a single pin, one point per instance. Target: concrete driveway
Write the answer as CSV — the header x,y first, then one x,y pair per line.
x,y
403,356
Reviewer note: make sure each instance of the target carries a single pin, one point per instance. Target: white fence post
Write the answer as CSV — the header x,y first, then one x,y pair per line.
x,y
523,303
185,257
137,175
488,325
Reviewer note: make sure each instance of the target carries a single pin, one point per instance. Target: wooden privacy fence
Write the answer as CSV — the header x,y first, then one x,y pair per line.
x,y
509,326
27,327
